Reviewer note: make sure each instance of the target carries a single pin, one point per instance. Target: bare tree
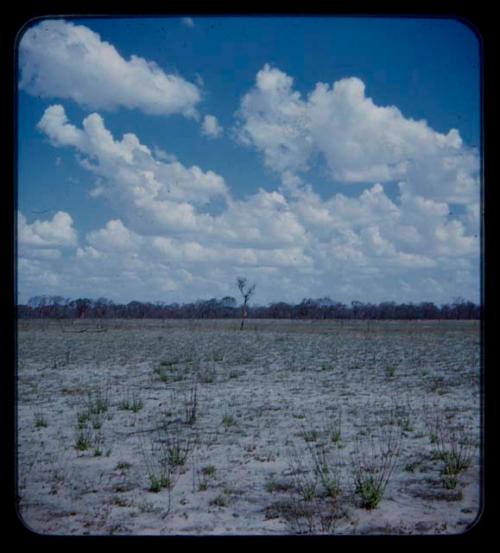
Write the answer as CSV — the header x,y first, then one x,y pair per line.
x,y
246,292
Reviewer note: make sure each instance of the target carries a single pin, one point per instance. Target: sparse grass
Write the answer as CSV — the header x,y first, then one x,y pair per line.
x,y
83,440
304,480
156,483
204,476
267,408
334,427
163,457
454,448
209,470
98,442
123,465
177,454
191,405
98,403
219,501
326,471
82,418
161,373
373,462
273,486
369,489
131,403
40,421
311,435
390,371
411,467
229,421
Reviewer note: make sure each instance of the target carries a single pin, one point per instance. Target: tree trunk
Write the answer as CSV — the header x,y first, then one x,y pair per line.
x,y
243,316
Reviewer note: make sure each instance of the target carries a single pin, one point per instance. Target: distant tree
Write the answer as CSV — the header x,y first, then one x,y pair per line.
x,y
81,306
228,301
246,292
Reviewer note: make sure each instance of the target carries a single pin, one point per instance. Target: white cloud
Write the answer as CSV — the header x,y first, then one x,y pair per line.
x,y
275,121
58,232
163,244
150,190
59,59
357,140
210,127
114,237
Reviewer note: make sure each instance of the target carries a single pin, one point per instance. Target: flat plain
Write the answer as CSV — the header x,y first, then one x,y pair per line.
x,y
194,427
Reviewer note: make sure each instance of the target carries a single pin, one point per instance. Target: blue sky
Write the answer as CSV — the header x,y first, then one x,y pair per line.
x,y
317,156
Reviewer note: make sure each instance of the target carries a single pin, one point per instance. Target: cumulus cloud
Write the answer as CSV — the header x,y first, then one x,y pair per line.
x,y
358,141
164,243
153,191
210,127
59,59
41,246
58,232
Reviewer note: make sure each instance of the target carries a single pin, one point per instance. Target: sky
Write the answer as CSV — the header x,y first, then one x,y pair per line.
x,y
161,158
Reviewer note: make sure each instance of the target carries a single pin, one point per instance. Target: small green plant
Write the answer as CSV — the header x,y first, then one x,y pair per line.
x,y
83,439
177,455
228,421
454,448
219,501
40,421
311,435
450,481
390,371
191,405
410,467
209,470
304,480
334,429
370,491
206,473
308,491
406,425
157,482
98,442
326,471
131,403
373,462
162,373
273,486
98,403
82,418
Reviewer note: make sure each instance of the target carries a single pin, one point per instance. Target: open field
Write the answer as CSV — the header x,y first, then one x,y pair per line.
x,y
194,427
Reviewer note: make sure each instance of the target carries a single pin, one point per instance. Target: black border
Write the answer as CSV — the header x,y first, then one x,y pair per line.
x,y
477,15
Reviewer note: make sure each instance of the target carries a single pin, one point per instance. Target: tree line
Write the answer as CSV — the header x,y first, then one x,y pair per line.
x,y
227,307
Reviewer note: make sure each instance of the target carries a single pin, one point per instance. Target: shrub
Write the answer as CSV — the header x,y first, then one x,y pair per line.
x,y
373,461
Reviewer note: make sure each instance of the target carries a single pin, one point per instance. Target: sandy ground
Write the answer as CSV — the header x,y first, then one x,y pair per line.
x,y
197,428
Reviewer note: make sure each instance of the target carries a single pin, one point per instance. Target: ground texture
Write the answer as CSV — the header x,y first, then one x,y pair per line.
x,y
198,428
